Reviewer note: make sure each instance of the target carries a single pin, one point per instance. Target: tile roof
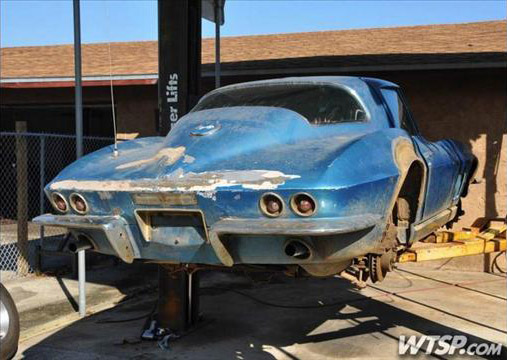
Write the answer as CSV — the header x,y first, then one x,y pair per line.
x,y
455,43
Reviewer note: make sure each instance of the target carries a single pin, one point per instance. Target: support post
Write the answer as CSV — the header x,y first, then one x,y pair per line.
x,y
178,301
42,182
218,22
179,62
79,143
23,265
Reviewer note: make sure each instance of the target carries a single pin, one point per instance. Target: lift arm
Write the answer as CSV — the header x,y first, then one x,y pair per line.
x,y
485,236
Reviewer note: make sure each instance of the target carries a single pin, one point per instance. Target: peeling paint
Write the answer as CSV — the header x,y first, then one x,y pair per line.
x,y
208,195
187,159
171,155
105,195
180,181
403,153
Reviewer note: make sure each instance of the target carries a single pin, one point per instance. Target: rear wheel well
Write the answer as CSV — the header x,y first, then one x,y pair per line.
x,y
407,203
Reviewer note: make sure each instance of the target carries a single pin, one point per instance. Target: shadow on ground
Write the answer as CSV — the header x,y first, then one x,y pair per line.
x,y
245,319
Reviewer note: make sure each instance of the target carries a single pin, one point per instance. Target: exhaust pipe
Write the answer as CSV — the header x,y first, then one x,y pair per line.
x,y
298,250
82,243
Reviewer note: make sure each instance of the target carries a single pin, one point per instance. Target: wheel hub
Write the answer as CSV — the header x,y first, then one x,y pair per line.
x,y
380,265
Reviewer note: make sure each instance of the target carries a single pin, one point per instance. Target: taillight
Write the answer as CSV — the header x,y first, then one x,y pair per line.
x,y
59,202
271,204
303,204
78,203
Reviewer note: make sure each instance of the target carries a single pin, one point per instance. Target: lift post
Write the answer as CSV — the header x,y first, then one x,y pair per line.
x,y
178,301
179,52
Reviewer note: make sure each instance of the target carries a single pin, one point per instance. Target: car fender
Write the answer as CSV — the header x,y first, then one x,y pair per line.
x,y
405,155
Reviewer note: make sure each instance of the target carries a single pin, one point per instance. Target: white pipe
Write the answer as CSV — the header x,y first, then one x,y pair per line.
x,y
81,270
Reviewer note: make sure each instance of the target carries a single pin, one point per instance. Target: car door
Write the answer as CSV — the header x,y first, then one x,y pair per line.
x,y
442,170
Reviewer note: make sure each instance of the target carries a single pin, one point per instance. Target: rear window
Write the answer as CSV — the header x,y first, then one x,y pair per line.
x,y
319,104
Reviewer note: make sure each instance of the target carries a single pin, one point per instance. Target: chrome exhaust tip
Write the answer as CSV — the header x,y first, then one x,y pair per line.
x,y
297,249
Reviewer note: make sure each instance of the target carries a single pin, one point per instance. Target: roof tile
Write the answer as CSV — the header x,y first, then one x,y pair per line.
x,y
134,58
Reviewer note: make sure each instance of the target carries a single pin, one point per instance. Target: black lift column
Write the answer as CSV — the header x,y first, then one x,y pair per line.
x,y
179,57
178,298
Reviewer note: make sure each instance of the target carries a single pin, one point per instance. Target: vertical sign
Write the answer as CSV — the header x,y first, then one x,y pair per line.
x,y
179,59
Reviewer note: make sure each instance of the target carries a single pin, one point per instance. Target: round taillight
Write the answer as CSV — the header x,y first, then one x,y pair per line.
x,y
303,204
59,202
271,204
78,203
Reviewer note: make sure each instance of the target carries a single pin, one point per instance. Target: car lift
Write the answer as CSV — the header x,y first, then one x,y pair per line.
x,y
179,24
179,49
483,237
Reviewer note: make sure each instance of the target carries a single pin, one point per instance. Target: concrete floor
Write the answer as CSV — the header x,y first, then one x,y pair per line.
x,y
45,300
357,324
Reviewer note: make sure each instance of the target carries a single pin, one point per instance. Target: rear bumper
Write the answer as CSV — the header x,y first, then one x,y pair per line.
x,y
295,227
120,239
115,229
285,227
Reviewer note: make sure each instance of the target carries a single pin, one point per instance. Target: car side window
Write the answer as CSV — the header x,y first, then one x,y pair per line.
x,y
398,110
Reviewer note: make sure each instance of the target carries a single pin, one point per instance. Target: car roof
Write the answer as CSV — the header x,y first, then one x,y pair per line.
x,y
352,82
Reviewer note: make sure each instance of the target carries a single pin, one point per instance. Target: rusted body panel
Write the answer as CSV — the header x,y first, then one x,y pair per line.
x,y
194,196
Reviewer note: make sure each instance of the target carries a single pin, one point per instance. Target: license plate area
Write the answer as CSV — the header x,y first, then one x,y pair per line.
x,y
172,227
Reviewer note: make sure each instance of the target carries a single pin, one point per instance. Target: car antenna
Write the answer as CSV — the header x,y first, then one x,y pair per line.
x,y
115,145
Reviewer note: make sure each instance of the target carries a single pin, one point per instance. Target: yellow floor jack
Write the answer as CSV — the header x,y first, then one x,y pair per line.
x,y
483,237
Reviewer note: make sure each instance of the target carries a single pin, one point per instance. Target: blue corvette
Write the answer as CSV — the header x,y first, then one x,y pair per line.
x,y
321,173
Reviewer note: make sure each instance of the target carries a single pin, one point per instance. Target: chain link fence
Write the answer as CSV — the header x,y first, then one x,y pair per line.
x,y
28,162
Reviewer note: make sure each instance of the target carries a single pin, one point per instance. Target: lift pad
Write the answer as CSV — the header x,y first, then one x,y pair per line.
x,y
484,236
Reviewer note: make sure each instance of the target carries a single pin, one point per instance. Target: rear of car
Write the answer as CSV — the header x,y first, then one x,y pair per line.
x,y
263,173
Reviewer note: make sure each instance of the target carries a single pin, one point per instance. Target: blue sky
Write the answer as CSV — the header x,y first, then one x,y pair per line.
x,y
38,22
